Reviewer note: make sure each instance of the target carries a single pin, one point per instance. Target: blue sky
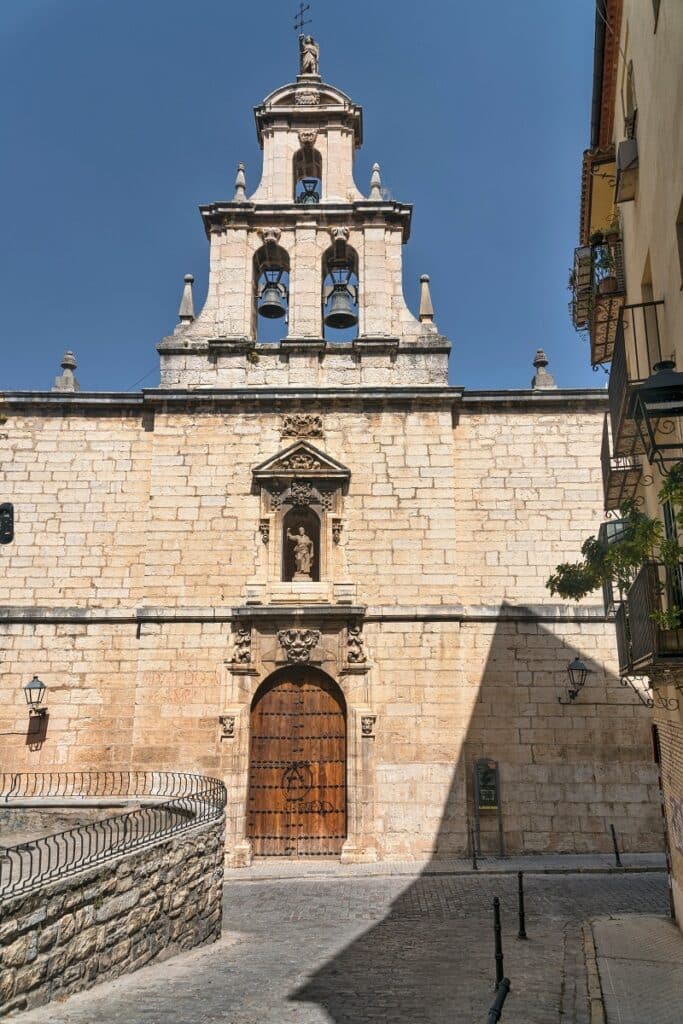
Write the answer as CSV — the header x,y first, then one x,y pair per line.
x,y
121,116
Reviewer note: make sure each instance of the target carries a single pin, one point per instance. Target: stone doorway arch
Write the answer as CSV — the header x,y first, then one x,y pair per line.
x,y
296,803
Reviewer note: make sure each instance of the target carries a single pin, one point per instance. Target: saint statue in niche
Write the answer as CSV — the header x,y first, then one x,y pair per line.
x,y
303,554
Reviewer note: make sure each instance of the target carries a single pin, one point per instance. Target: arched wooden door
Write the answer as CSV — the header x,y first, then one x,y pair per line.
x,y
297,769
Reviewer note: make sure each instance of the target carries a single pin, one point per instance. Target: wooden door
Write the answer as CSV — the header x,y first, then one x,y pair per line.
x,y
297,771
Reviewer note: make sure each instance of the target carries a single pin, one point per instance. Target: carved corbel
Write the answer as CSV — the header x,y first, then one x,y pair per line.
x,y
227,723
367,725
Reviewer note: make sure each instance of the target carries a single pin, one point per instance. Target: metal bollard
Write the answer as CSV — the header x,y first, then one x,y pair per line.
x,y
475,866
617,858
498,937
501,996
521,934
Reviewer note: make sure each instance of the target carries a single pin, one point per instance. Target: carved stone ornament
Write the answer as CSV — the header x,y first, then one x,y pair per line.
x,y
241,652
327,499
298,643
307,98
227,726
270,235
367,724
264,527
337,527
339,234
301,493
300,460
308,136
301,424
355,653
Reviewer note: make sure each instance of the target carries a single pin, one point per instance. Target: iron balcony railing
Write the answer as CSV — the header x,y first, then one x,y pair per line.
x,y
620,473
598,293
637,349
178,802
610,533
623,639
656,589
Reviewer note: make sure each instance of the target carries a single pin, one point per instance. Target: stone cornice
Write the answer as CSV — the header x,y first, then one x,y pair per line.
x,y
208,399
361,213
506,612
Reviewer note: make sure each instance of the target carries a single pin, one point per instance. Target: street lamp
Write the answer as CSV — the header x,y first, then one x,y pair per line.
x,y
34,693
577,672
658,404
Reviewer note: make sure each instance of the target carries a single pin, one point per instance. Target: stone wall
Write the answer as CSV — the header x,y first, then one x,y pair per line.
x,y
112,919
139,552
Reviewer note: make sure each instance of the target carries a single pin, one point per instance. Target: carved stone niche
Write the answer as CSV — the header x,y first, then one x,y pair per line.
x,y
301,492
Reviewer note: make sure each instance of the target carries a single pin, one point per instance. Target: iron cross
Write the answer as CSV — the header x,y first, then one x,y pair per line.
x,y
300,18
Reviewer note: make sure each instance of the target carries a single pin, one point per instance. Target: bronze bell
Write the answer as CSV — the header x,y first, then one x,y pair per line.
x,y
271,301
341,313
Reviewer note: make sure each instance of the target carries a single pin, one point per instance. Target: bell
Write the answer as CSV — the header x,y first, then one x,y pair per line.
x,y
271,303
341,313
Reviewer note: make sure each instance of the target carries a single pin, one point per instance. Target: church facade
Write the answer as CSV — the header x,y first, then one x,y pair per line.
x,y
312,568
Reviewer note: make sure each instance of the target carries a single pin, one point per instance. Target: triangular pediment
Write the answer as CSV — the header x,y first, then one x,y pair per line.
x,y
303,461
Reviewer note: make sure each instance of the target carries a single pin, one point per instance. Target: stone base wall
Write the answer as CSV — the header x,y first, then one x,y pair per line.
x,y
670,729
112,919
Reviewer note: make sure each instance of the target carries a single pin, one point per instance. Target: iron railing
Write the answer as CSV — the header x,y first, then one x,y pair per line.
x,y
598,293
180,802
637,349
623,639
620,473
655,590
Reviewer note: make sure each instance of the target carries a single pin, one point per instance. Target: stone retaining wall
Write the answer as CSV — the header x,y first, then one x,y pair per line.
x,y
111,919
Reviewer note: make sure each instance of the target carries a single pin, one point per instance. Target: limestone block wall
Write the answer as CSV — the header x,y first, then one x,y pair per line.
x,y
110,920
527,492
448,693
670,728
80,489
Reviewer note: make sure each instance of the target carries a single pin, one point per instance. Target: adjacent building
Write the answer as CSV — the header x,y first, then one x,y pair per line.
x,y
309,566
628,295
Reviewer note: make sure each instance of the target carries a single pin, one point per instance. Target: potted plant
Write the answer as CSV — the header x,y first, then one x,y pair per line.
x,y
613,234
605,270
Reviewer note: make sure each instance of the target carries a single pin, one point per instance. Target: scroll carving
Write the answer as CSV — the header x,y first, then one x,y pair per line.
x,y
241,653
355,651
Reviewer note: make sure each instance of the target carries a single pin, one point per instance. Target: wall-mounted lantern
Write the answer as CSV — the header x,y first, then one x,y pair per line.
x,y
35,692
577,673
658,404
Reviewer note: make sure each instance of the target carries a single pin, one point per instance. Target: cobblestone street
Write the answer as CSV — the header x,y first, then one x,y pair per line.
x,y
376,951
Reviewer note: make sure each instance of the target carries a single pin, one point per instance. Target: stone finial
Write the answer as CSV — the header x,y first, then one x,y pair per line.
x,y
426,314
375,183
66,381
542,379
240,195
186,311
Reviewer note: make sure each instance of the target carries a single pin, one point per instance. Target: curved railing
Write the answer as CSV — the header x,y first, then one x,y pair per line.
x,y
177,802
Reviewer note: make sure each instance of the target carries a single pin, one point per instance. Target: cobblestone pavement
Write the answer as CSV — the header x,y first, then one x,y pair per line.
x,y
376,951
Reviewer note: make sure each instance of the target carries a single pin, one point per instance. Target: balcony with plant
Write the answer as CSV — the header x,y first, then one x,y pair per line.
x,y
638,562
598,289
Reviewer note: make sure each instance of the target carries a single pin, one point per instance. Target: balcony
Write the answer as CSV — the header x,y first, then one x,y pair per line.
x,y
643,644
599,292
609,533
638,347
620,473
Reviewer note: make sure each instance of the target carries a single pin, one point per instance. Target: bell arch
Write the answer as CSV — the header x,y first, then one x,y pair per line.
x,y
271,292
340,292
296,804
307,176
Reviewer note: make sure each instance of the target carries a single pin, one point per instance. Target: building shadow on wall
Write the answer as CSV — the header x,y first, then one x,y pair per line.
x,y
431,958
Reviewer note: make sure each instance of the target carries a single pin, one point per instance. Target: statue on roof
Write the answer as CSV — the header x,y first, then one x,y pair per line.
x,y
309,56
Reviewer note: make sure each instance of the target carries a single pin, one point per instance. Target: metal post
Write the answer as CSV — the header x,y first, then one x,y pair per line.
x,y
501,996
617,858
498,936
475,866
521,934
